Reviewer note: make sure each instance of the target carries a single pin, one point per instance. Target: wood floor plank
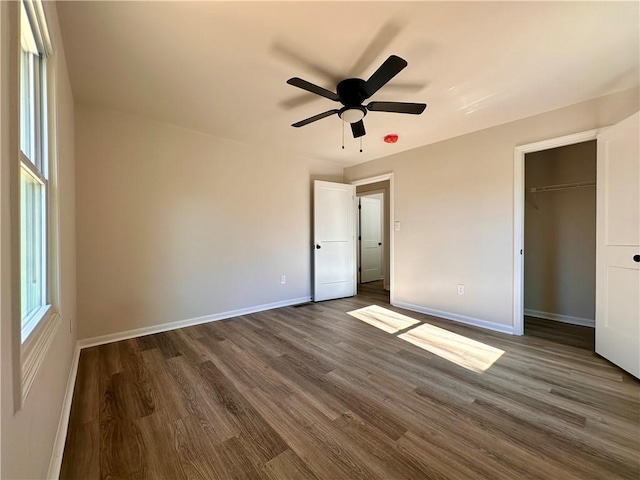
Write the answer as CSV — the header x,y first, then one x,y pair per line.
x,y
380,452
266,442
160,455
197,457
202,402
168,396
368,408
81,457
314,392
136,388
437,462
288,465
317,443
186,346
122,448
202,459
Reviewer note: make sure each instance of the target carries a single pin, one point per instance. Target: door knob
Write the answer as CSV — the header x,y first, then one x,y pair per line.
x,y
636,258
379,243
318,247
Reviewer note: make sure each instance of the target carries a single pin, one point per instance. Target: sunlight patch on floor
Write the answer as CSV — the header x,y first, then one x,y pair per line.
x,y
384,319
465,352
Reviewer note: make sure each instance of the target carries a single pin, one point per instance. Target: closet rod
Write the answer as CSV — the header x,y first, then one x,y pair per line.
x,y
562,186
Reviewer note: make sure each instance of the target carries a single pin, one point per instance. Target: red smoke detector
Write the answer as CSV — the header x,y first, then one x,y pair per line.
x,y
391,138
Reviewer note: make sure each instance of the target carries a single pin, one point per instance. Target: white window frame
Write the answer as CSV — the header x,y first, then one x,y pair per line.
x,y
29,324
37,168
40,327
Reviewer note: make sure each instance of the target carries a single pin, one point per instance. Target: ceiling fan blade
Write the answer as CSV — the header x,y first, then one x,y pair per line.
x,y
397,107
310,87
320,116
358,129
389,69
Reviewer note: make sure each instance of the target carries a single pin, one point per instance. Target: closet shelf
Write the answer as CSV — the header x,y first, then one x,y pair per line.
x,y
562,186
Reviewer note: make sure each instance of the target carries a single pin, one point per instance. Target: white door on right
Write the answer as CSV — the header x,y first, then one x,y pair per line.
x,y
371,262
617,245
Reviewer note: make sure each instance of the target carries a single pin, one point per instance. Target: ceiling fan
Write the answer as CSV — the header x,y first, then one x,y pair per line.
x,y
351,92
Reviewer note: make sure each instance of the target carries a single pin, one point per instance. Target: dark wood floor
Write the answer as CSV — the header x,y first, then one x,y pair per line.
x,y
562,333
313,392
374,291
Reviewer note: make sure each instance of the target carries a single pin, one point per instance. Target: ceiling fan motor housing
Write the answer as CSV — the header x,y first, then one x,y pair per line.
x,y
351,92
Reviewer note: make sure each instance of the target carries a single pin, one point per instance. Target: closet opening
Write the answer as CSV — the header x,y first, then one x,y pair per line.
x,y
560,244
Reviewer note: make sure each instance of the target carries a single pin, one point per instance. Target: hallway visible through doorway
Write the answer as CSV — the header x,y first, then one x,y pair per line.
x,y
374,290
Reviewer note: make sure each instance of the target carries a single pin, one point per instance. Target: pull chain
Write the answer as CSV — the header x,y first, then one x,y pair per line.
x,y
343,134
360,144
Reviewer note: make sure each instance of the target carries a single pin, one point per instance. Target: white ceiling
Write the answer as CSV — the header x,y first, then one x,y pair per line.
x,y
221,67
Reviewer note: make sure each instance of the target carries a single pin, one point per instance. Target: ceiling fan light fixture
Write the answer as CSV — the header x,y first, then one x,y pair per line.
x,y
353,114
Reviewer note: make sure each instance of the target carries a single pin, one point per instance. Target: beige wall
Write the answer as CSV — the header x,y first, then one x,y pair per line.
x,y
454,200
28,435
174,224
560,232
383,187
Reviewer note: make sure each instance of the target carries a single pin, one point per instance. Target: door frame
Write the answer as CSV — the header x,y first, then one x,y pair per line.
x,y
518,213
376,179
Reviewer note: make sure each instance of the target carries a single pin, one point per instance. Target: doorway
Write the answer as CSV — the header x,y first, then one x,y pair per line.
x,y
617,312
560,244
377,195
370,232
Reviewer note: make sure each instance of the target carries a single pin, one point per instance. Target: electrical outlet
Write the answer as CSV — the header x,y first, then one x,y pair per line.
x,y
283,279
460,289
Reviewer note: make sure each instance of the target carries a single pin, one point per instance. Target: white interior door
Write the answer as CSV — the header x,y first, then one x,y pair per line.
x,y
334,240
371,238
617,245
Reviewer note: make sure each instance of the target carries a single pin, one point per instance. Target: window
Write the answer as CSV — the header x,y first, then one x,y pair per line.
x,y
38,216
34,186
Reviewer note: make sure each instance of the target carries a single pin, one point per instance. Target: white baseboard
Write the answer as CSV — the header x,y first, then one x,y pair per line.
x,y
139,332
476,322
63,424
584,322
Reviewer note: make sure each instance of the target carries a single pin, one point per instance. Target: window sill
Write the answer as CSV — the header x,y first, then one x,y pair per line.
x,y
36,344
32,322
